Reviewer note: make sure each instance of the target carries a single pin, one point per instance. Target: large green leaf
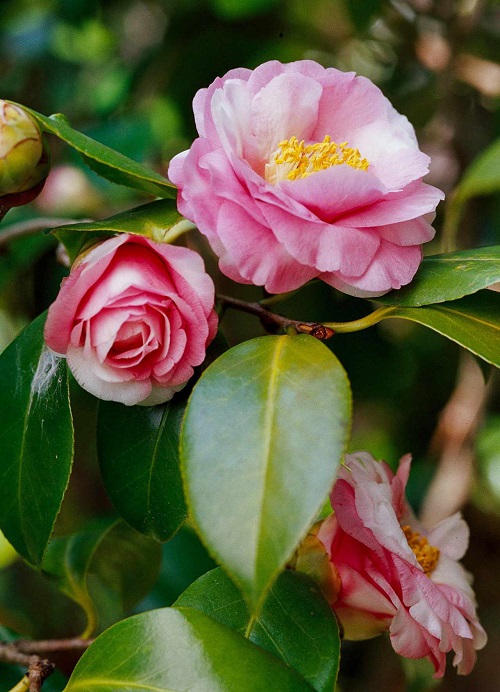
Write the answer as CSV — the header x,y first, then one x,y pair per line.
x,y
105,570
473,322
36,439
482,177
178,649
139,459
295,624
265,428
105,161
448,277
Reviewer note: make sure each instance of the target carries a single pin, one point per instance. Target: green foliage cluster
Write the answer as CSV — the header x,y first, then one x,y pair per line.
x,y
269,413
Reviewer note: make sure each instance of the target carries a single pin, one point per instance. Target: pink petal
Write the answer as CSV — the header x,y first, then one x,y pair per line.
x,y
392,151
335,191
83,277
287,106
326,247
202,103
272,266
414,201
392,267
451,536
103,382
411,232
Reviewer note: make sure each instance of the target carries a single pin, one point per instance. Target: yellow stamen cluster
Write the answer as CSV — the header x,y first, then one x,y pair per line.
x,y
306,159
426,554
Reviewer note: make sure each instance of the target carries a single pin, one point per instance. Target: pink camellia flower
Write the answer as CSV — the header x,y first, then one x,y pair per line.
x,y
302,172
394,575
133,318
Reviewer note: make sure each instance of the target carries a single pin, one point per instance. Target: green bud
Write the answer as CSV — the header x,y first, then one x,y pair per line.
x,y
24,156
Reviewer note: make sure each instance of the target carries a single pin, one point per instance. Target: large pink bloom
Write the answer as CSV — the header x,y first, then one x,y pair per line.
x,y
281,201
133,318
420,594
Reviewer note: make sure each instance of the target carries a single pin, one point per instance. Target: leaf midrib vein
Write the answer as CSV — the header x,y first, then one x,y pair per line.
x,y
268,420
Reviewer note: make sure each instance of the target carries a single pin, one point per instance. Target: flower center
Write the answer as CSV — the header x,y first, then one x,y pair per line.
x,y
426,554
293,159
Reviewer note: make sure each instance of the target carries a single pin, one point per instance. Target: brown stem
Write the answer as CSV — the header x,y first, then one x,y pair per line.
x,y
24,652
39,668
28,646
319,331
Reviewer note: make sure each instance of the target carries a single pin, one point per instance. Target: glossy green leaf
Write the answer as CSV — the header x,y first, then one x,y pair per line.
x,y
105,161
105,570
36,439
482,177
473,322
265,428
139,459
448,277
295,624
179,649
157,220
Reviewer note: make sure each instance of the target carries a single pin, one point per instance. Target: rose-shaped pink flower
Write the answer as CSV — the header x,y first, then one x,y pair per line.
x,y
394,574
302,172
133,318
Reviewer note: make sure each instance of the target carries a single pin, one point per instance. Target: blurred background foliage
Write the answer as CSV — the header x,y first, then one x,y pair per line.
x,y
125,73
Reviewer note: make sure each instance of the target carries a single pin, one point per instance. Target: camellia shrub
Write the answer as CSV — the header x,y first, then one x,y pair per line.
x,y
299,173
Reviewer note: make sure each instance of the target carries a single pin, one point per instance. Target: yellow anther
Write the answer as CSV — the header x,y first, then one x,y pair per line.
x,y
426,554
294,159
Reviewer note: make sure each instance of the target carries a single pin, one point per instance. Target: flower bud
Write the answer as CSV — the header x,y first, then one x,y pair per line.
x,y
24,156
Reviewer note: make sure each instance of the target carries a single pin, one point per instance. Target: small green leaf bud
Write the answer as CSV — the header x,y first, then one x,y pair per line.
x,y
24,156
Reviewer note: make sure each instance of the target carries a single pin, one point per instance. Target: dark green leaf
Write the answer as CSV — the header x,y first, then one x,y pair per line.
x,y
105,570
104,161
265,428
295,624
36,439
139,459
473,322
184,559
239,9
156,220
362,12
181,649
482,177
448,277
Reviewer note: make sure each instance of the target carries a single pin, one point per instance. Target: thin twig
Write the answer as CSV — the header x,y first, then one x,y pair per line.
x,y
39,668
319,331
25,652
29,646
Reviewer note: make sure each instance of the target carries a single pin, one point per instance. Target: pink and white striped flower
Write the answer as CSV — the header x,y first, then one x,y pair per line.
x,y
394,574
